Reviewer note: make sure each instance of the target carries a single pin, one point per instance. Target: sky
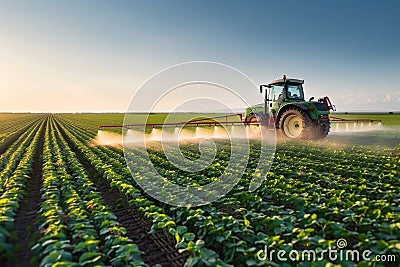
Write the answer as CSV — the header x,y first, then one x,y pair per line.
x,y
79,56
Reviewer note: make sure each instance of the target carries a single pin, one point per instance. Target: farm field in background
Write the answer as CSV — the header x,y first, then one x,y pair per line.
x,y
387,119
67,201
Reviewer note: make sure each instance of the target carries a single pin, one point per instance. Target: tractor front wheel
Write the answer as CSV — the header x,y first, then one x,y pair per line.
x,y
255,118
295,124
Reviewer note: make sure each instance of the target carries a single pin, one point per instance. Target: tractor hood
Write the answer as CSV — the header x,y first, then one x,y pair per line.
x,y
259,108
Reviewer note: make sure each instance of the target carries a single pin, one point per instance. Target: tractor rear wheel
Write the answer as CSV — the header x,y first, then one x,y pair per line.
x,y
296,124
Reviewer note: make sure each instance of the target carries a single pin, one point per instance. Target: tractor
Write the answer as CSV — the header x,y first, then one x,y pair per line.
x,y
285,109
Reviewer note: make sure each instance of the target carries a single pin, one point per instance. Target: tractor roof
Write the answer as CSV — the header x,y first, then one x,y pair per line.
x,y
287,80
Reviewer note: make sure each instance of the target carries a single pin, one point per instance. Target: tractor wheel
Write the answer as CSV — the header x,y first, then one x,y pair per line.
x,y
254,122
296,124
254,118
321,131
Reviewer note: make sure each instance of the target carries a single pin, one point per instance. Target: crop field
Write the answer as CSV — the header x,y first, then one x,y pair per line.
x,y
66,201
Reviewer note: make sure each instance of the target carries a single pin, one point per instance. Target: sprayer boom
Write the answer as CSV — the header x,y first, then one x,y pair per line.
x,y
223,120
209,121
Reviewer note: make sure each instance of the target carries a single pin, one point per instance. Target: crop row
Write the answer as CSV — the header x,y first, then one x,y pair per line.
x,y
125,183
11,158
76,227
11,129
10,124
14,178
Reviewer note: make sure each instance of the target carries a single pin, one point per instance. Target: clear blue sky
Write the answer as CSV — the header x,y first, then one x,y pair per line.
x,y
92,55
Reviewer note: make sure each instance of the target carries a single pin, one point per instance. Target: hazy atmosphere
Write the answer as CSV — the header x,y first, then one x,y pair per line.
x,y
75,56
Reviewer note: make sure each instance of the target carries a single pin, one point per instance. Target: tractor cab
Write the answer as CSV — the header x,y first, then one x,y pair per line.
x,y
283,91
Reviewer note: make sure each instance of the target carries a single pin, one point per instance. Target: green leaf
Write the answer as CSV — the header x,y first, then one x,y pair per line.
x,y
169,224
52,258
90,257
181,229
64,264
208,253
189,236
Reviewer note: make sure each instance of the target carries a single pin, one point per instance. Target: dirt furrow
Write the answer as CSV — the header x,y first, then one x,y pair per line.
x,y
156,247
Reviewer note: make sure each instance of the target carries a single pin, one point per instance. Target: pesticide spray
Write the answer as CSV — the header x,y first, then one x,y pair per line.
x,y
350,127
107,138
195,134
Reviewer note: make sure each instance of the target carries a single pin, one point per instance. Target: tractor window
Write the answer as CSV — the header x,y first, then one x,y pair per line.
x,y
295,91
276,91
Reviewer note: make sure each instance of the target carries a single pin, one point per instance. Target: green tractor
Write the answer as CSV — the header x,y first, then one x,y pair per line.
x,y
285,109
